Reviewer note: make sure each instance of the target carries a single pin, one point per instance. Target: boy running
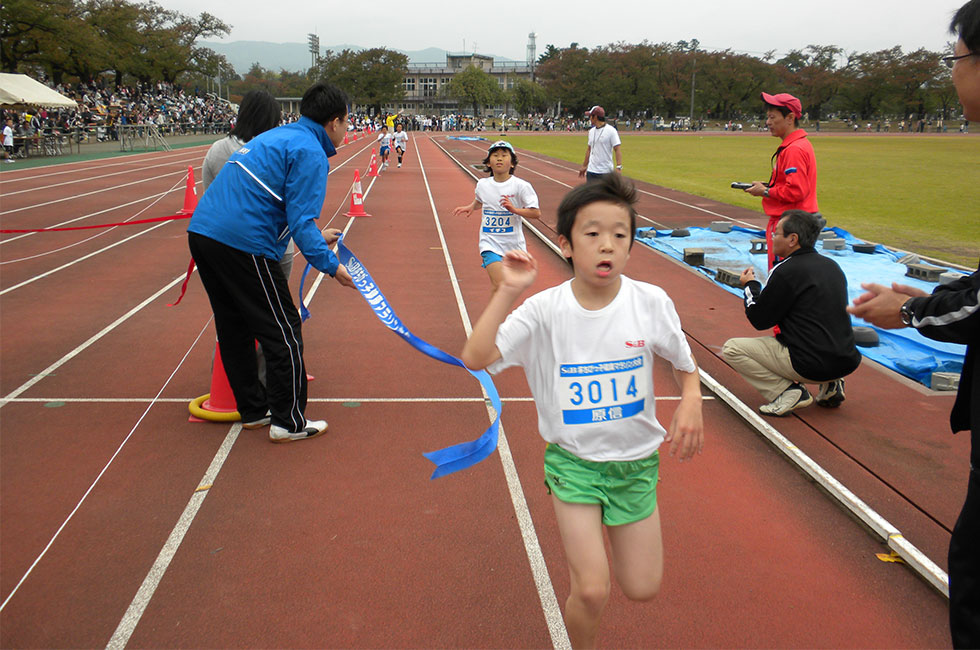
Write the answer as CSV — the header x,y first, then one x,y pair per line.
x,y
385,139
587,349
505,199
400,141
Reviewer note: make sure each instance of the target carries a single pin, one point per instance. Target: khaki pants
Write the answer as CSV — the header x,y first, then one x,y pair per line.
x,y
764,362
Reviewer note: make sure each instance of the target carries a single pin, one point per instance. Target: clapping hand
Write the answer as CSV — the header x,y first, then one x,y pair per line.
x,y
520,269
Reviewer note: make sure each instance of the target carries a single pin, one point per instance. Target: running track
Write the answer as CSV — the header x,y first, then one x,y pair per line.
x,y
124,524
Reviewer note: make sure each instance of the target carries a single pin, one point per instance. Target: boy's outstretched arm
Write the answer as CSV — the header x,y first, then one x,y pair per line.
x,y
519,271
686,430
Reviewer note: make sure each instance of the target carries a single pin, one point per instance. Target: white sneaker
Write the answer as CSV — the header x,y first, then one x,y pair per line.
x,y
313,429
794,397
263,421
831,394
399,164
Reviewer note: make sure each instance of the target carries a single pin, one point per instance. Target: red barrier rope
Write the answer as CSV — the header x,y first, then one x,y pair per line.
x,y
102,225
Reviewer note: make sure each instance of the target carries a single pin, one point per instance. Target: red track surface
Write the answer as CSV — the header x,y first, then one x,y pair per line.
x,y
343,541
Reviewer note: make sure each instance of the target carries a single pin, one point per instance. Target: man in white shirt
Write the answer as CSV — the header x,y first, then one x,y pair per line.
x,y
603,145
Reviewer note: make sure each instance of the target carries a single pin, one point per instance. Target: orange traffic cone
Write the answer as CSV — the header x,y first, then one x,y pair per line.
x,y
373,167
346,141
218,405
190,193
356,199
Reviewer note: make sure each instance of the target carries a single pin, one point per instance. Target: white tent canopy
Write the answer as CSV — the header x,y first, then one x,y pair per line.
x,y
22,91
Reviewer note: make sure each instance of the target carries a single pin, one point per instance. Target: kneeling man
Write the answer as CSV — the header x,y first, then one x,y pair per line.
x,y
806,296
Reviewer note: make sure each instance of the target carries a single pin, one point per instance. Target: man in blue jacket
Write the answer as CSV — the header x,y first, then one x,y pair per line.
x,y
806,296
269,190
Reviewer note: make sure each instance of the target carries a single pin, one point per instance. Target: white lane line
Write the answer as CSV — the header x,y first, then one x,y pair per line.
x,y
914,557
154,197
653,194
127,625
81,348
83,258
43,188
847,499
539,569
98,191
527,222
101,473
319,400
83,166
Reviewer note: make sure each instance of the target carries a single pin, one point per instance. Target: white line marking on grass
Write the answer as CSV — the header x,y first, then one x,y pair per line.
x,y
539,569
101,473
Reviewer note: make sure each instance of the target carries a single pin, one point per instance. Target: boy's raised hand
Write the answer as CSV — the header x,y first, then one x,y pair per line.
x,y
520,269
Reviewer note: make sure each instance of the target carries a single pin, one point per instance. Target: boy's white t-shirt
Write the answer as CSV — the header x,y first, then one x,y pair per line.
x,y
399,139
602,140
500,229
591,372
384,139
8,136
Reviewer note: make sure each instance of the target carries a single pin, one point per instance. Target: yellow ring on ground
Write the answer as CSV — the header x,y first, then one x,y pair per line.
x,y
214,416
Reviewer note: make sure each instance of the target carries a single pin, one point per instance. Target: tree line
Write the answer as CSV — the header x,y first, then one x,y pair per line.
x,y
91,39
64,40
659,79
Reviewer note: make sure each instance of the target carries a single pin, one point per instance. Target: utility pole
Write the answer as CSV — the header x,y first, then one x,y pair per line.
x,y
314,42
532,52
694,65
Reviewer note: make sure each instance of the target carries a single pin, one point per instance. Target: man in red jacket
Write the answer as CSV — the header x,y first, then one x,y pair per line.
x,y
793,184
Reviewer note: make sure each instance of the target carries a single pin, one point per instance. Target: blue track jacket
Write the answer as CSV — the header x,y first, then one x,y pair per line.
x,y
270,190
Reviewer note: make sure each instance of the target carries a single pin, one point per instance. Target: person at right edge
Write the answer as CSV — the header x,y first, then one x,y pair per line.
x,y
793,183
951,313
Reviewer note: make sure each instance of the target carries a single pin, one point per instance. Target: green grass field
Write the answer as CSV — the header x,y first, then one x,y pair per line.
x,y
915,192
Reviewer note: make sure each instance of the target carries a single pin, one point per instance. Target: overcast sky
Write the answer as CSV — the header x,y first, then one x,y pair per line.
x,y
750,27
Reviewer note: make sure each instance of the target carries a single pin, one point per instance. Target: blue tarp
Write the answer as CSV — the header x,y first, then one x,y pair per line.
x,y
465,137
904,350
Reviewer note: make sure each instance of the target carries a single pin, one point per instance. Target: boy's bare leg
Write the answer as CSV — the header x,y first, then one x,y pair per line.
x,y
581,535
638,556
496,273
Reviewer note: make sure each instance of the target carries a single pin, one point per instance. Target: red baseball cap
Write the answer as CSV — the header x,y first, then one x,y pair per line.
x,y
786,101
596,110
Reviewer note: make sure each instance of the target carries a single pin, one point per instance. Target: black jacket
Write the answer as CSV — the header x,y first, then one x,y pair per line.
x,y
806,296
952,314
